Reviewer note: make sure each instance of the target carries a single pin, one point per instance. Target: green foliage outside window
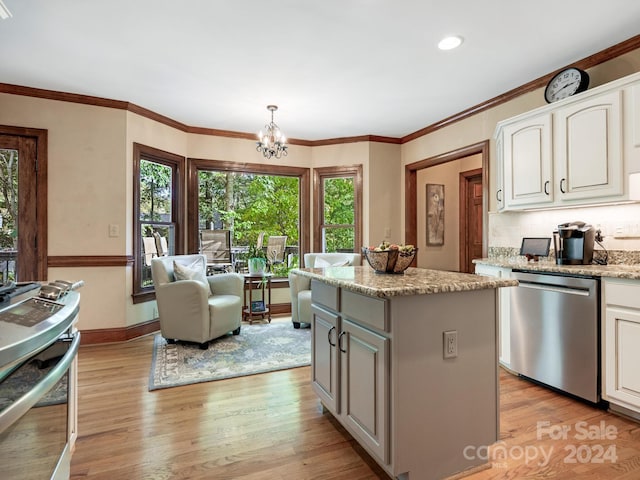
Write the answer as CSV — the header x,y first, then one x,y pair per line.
x,y
8,199
248,204
339,214
155,191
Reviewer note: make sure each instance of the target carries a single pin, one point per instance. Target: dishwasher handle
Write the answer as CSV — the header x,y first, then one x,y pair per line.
x,y
584,292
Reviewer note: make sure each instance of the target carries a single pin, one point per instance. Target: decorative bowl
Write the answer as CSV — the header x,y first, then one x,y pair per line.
x,y
389,261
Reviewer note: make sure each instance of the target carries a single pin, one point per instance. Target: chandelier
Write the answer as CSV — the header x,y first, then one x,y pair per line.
x,y
273,142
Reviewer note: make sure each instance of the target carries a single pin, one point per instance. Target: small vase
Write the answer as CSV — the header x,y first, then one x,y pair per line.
x,y
257,266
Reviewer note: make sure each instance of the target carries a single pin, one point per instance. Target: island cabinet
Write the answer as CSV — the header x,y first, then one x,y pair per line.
x,y
622,345
381,365
350,370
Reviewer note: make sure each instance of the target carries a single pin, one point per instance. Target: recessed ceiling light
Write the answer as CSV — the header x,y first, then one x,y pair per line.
x,y
448,43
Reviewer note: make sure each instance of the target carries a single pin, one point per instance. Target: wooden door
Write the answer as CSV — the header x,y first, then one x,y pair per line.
x,y
470,218
20,235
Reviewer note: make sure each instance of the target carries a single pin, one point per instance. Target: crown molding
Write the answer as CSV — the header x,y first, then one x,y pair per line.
x,y
586,63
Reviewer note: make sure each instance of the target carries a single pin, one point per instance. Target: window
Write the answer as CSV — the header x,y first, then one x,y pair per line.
x,y
338,209
157,212
249,199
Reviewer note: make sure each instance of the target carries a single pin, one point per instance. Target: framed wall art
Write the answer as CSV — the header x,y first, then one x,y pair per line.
x,y
435,214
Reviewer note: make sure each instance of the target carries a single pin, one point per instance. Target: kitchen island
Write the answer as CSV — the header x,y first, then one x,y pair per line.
x,y
408,365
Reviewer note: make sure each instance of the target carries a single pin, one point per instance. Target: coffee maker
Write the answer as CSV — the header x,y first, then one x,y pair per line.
x,y
574,243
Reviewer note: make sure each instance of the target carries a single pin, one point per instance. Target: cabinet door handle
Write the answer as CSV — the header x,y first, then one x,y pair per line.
x,y
329,336
498,198
562,185
340,341
546,187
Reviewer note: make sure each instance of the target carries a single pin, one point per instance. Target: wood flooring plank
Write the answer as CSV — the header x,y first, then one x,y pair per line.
x,y
271,426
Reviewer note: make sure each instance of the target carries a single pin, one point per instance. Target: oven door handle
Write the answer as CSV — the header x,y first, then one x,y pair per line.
x,y
17,409
555,288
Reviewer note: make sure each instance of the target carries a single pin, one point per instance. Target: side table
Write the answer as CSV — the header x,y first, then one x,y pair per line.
x,y
257,307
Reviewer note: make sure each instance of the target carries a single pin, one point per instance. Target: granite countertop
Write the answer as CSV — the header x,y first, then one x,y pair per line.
x,y
414,281
631,272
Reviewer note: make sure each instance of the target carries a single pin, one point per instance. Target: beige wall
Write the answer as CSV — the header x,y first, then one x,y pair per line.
x,y
90,187
91,181
481,127
383,189
447,256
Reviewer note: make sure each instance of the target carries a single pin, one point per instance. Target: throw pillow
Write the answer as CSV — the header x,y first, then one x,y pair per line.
x,y
322,263
182,272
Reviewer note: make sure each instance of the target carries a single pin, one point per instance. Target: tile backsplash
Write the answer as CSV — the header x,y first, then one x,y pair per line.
x,y
619,224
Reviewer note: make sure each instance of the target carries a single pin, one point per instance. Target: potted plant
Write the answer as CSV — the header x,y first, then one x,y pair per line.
x,y
256,260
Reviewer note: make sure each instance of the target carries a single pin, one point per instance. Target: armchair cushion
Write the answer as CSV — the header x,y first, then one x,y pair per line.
x,y
333,259
182,272
322,263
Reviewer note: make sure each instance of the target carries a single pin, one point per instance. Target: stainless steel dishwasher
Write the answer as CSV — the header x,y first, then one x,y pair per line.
x,y
555,331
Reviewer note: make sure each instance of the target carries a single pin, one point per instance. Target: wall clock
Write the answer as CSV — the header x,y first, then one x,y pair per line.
x,y
565,83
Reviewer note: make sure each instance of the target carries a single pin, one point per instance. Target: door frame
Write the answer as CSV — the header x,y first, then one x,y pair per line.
x,y
41,139
463,219
411,190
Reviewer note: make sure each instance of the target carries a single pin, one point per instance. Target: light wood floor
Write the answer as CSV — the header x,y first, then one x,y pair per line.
x,y
271,426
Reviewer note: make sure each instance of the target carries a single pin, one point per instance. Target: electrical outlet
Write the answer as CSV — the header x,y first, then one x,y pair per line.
x,y
114,230
450,344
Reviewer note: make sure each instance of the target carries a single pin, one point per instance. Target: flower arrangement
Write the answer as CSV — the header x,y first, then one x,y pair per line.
x,y
389,257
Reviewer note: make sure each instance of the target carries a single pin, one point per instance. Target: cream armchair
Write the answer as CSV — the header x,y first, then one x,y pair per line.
x,y
300,287
193,307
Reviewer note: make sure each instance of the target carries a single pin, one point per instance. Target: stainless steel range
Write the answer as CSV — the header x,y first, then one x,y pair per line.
x,y
38,347
555,331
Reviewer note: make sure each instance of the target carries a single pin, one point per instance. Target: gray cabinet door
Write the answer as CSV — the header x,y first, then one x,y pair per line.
x,y
365,386
325,368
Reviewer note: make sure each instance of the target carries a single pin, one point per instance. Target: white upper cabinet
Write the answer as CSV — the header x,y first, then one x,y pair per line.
x,y
499,191
577,151
632,127
528,162
588,148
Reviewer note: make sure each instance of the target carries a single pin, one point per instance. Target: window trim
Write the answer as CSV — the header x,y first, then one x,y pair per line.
x,y
319,175
194,165
177,164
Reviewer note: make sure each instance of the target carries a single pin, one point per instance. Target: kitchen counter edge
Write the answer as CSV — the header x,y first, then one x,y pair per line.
x,y
415,281
631,272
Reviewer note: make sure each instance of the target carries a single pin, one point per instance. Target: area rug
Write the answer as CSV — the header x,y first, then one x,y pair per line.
x,y
259,348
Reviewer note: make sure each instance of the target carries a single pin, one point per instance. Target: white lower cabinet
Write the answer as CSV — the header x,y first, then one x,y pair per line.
x,y
622,343
504,322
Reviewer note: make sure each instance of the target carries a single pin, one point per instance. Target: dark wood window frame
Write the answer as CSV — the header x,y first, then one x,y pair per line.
x,y
37,254
194,165
177,164
319,175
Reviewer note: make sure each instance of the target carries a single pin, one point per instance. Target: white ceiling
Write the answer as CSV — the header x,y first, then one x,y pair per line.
x,y
335,68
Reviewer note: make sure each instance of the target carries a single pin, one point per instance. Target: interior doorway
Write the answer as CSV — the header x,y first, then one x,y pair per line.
x,y
471,231
23,212
411,191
